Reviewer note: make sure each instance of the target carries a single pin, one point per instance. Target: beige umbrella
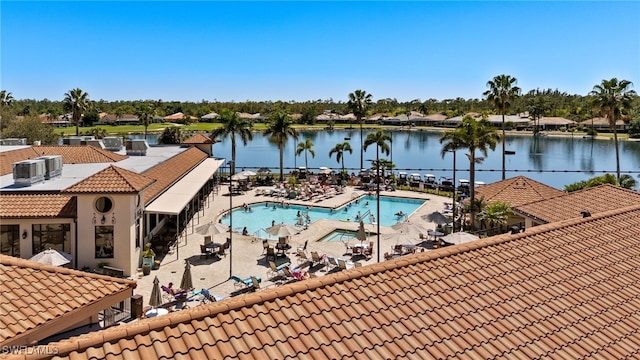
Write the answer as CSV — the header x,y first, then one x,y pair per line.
x,y
282,230
212,228
400,237
410,228
437,217
52,257
459,238
187,281
361,234
156,294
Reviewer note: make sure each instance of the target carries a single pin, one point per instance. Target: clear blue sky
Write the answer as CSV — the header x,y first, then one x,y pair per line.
x,y
302,51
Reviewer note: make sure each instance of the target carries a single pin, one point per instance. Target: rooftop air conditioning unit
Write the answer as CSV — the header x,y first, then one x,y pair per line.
x,y
29,172
112,143
53,166
14,141
95,143
137,147
73,140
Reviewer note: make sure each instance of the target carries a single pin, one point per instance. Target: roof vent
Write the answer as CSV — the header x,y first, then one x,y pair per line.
x,y
137,147
29,172
53,166
112,143
585,213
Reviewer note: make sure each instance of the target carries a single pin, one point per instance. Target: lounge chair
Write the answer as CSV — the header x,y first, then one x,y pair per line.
x,y
208,297
344,265
275,271
244,283
302,257
303,248
331,262
317,259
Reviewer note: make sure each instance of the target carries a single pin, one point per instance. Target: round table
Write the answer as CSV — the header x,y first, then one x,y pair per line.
x,y
156,312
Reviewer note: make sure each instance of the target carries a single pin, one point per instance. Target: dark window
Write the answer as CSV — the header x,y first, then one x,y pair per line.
x,y
10,240
51,236
104,204
104,242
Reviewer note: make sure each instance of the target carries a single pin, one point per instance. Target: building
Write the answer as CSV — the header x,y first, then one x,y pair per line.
x,y
563,290
103,206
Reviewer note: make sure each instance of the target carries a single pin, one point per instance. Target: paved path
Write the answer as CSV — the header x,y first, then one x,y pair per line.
x,y
248,258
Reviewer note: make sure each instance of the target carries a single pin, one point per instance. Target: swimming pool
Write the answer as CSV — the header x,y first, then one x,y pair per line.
x,y
261,215
340,235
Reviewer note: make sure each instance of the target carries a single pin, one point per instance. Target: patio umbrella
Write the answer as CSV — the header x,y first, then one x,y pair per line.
x,y
155,299
361,234
437,217
282,230
212,228
325,170
52,257
410,228
247,173
187,282
400,237
239,176
459,238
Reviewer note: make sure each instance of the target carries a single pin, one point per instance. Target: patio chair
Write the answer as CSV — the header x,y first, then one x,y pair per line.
x,y
244,283
331,262
344,265
221,252
303,248
204,252
302,257
207,240
265,245
271,253
255,282
275,271
317,259
208,297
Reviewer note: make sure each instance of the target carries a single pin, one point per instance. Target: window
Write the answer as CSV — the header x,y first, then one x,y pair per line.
x,y
138,233
104,205
104,242
10,240
51,236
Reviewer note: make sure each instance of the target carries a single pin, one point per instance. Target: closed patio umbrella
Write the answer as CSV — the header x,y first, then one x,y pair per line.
x,y
155,299
361,234
187,281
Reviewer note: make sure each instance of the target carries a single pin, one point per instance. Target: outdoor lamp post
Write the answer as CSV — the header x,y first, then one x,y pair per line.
x,y
377,204
230,219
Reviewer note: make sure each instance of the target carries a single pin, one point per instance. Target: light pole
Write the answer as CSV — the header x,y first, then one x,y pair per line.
x,y
230,219
453,229
377,200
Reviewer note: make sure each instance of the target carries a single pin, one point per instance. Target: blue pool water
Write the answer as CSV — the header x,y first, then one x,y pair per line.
x,y
340,235
261,215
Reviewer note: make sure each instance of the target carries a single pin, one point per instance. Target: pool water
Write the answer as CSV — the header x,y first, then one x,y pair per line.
x,y
261,215
340,235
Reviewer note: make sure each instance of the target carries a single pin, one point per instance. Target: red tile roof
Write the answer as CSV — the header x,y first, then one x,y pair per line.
x,y
198,138
14,205
564,290
112,180
70,155
36,298
570,205
516,191
170,171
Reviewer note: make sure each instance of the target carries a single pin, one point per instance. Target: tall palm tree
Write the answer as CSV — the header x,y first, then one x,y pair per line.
x,y
145,115
76,101
280,129
233,125
359,102
306,147
501,93
472,135
339,150
380,139
611,98
6,99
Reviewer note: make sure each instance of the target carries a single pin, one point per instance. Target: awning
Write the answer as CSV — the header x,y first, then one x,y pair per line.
x,y
176,198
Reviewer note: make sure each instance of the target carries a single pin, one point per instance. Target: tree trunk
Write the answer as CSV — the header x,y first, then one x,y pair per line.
x,y
504,140
615,141
472,187
281,146
361,146
233,154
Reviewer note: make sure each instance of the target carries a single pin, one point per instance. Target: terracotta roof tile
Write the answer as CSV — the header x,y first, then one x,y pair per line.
x,y
198,138
565,290
170,171
34,295
570,205
70,155
37,205
516,191
112,180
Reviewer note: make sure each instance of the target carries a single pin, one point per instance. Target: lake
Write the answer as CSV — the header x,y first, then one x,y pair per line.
x,y
553,160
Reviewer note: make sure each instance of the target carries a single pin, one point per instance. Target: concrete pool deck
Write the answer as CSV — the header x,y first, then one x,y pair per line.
x,y
248,258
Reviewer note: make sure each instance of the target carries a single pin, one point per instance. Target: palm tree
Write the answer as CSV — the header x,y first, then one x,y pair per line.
x,y
280,129
472,135
611,98
339,150
496,213
233,125
76,101
501,93
358,103
145,115
381,140
306,147
6,99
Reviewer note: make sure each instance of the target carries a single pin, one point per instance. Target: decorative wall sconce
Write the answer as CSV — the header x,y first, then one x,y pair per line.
x,y
25,234
103,220
113,218
93,221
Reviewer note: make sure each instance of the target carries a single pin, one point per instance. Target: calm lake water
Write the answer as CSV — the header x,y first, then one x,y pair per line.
x,y
556,161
